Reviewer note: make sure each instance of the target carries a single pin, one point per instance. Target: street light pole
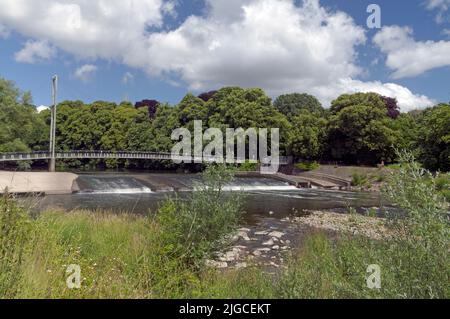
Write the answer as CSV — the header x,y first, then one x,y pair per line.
x,y
52,163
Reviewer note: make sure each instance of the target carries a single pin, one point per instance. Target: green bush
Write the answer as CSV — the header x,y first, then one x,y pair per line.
x,y
249,166
307,166
359,180
191,230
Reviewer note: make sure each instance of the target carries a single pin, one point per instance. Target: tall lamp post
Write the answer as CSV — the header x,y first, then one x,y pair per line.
x,y
52,162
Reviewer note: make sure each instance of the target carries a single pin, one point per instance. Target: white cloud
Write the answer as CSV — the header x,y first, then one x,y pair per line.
x,y
85,72
407,100
273,44
446,32
127,78
41,108
407,57
442,6
92,29
35,51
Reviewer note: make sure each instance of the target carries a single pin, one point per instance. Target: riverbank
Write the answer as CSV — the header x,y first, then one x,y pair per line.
x,y
37,183
269,244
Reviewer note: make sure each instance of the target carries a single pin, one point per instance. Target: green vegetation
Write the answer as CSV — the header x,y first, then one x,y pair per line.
x,y
162,255
434,138
361,128
442,184
249,166
359,180
307,166
191,230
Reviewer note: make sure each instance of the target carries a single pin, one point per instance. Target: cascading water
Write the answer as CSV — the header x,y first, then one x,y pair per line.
x,y
111,185
258,184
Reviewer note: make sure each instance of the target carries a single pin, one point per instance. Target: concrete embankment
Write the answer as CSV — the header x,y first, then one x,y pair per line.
x,y
37,183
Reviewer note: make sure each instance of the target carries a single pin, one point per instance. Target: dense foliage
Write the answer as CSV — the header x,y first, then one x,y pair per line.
x,y
360,128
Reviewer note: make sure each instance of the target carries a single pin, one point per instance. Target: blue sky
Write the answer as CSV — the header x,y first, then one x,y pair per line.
x,y
115,50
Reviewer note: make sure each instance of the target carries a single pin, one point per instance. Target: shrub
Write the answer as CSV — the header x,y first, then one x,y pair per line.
x,y
307,166
191,230
249,166
359,180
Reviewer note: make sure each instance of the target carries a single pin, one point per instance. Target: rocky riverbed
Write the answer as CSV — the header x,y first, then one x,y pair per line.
x,y
270,241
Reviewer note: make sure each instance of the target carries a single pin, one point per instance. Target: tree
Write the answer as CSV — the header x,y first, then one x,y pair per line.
x,y
369,99
360,130
151,105
434,138
207,96
235,107
21,127
308,136
292,105
191,109
393,110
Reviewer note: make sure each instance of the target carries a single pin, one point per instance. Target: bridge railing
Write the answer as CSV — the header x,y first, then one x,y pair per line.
x,y
89,154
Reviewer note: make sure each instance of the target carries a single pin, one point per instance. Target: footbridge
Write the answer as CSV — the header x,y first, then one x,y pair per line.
x,y
135,155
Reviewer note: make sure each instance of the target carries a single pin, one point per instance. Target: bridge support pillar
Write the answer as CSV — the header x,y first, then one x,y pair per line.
x,y
52,165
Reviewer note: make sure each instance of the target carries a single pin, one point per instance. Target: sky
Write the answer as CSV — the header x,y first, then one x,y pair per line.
x,y
117,50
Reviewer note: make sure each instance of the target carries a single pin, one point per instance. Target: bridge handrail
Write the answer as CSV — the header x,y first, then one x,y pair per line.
x,y
13,156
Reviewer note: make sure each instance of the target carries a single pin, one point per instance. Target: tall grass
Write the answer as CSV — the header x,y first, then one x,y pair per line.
x,y
15,232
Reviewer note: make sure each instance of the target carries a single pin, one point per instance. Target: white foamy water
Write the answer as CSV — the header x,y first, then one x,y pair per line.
x,y
112,185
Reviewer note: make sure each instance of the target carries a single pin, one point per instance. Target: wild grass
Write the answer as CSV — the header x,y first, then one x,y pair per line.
x,y
359,180
307,166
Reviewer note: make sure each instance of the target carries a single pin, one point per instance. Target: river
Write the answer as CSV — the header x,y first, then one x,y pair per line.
x,y
142,193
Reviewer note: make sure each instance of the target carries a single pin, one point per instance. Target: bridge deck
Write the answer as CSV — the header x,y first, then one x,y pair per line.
x,y
12,157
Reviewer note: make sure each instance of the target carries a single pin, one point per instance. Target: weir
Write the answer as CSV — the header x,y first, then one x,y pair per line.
x,y
150,183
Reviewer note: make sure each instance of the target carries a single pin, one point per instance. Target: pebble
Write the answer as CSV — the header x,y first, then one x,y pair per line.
x,y
216,264
270,242
276,247
276,234
241,265
244,235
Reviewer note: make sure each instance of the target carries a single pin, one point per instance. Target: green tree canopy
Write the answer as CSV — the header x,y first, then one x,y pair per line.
x,y
370,99
308,136
434,138
293,104
21,128
361,133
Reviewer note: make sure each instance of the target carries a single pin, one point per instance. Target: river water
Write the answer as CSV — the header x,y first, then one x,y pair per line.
x,y
143,193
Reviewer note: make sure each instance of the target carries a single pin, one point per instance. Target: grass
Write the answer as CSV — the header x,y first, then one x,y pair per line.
x,y
359,180
249,166
126,256
307,166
